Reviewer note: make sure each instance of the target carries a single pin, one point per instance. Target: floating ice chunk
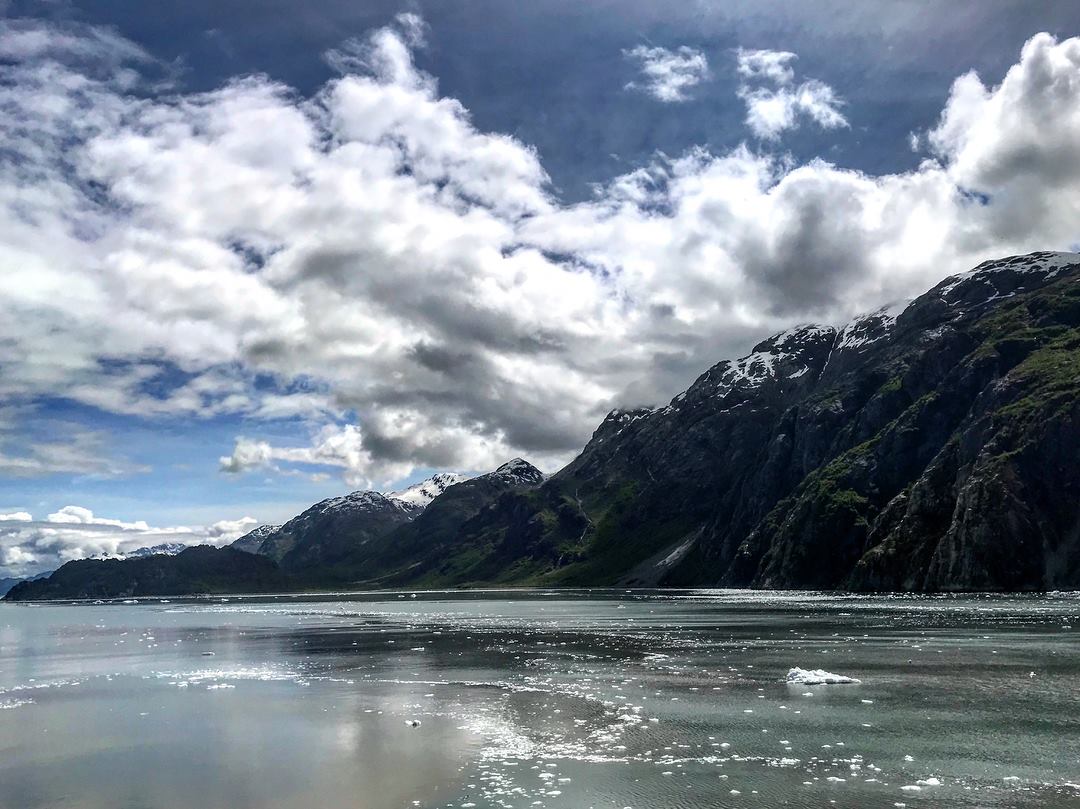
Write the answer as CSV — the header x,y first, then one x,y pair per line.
x,y
911,788
817,677
413,723
929,782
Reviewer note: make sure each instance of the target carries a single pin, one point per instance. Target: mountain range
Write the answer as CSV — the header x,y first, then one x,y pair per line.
x,y
931,446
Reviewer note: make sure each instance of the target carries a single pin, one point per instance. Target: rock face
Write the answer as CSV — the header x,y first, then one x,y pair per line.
x,y
934,447
195,571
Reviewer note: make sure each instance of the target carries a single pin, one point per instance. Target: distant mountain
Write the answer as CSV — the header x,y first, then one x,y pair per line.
x,y
320,547
7,584
252,541
194,571
165,548
330,530
417,550
322,534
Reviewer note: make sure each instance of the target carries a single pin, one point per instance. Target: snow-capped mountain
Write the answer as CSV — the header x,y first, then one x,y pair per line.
x,y
518,472
422,493
926,446
165,549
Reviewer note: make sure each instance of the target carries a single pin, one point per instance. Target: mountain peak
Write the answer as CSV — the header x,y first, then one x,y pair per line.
x,y
519,471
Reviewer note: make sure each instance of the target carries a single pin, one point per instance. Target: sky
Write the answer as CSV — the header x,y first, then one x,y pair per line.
x,y
255,254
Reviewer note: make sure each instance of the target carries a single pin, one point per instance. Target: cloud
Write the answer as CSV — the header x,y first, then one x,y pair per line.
x,y
78,452
774,66
668,75
28,546
368,263
773,110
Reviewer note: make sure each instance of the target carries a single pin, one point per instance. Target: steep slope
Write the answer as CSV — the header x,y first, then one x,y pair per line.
x,y
198,570
930,448
252,541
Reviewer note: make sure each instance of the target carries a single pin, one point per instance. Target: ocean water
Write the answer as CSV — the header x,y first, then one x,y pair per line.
x,y
541,699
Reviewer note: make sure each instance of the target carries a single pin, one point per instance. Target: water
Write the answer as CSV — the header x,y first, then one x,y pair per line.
x,y
541,699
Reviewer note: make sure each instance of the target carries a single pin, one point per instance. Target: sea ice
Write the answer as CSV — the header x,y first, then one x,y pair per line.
x,y
797,676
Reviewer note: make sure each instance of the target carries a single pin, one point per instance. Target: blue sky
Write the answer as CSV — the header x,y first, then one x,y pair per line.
x,y
257,254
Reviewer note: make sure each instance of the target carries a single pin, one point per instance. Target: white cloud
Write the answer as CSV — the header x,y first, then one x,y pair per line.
x,y
668,75
393,267
28,546
774,66
773,110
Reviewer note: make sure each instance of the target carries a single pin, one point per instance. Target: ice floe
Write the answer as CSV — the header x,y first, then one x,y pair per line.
x,y
798,676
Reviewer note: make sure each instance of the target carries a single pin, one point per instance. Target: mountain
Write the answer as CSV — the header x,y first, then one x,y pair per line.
x,y
422,493
8,583
924,447
252,541
198,570
415,551
326,545
322,534
930,448
165,548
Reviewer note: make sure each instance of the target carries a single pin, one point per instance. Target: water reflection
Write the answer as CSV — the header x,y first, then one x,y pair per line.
x,y
548,699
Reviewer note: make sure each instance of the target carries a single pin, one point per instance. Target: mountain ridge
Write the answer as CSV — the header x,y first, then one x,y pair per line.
x,y
923,447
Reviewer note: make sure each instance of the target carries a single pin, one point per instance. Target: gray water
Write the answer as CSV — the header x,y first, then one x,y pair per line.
x,y
541,699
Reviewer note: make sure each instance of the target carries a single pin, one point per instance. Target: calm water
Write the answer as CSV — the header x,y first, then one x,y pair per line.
x,y
542,699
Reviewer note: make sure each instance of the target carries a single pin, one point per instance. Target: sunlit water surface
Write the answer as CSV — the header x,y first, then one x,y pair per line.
x,y
541,699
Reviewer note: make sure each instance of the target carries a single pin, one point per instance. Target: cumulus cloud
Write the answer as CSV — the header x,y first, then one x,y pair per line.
x,y
773,110
29,546
369,261
668,75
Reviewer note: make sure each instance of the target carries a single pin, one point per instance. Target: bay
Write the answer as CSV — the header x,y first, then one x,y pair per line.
x,y
602,698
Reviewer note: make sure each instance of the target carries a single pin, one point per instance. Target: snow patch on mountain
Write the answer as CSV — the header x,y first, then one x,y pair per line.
x,y
164,549
422,493
362,502
998,277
